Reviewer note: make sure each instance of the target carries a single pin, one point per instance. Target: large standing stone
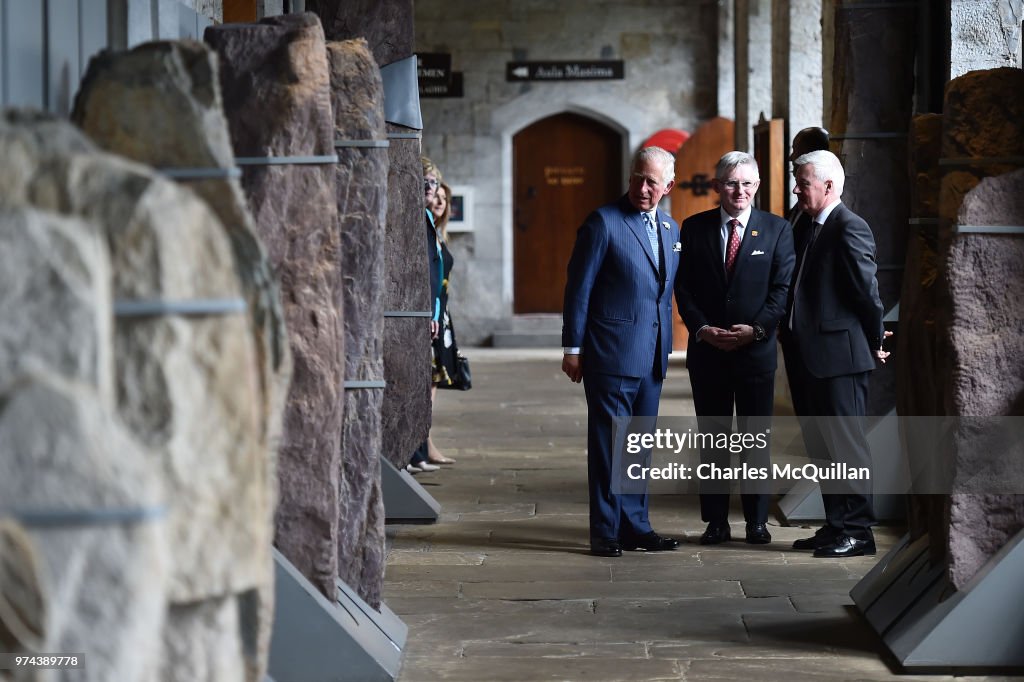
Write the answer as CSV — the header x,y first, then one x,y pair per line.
x,y
981,327
357,94
160,104
873,93
388,29
276,87
93,586
187,387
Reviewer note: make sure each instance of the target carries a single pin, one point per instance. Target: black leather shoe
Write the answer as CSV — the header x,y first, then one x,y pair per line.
x,y
651,542
845,546
716,534
822,538
757,534
605,547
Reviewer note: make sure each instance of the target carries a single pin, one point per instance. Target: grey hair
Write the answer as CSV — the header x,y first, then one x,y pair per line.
x,y
731,160
660,158
826,167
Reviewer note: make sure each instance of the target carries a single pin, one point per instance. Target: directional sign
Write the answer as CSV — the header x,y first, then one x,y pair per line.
x,y
565,71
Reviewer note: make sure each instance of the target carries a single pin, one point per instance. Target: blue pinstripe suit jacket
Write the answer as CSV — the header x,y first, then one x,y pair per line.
x,y
616,303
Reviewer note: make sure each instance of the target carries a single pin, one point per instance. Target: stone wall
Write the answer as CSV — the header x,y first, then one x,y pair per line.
x,y
670,54
984,34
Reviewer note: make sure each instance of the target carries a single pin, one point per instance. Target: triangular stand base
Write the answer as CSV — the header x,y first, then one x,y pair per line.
x,y
405,500
931,627
314,639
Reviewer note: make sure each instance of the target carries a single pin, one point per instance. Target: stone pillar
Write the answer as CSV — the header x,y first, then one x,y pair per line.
x,y
172,87
387,27
726,57
796,67
872,101
981,327
753,67
187,385
362,174
984,34
918,392
276,86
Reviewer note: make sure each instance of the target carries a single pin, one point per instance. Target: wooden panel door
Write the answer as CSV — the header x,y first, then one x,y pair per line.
x,y
565,166
770,152
695,167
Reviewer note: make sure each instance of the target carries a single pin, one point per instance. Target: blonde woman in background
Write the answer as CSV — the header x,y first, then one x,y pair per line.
x,y
444,342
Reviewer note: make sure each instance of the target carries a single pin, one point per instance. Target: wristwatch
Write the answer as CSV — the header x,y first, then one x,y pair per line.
x,y
759,333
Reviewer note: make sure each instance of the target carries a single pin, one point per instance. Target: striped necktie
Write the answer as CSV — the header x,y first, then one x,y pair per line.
x,y
652,236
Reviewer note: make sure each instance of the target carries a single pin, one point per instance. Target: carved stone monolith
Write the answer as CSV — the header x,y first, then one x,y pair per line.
x,y
276,87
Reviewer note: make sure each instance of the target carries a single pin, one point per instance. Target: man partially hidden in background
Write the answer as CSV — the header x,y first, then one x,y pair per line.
x,y
617,333
731,288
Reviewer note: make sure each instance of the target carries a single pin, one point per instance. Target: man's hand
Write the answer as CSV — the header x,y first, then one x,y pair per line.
x,y
744,334
720,338
881,354
435,329
572,365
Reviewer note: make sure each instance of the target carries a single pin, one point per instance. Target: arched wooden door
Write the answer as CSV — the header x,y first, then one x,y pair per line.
x,y
564,167
695,166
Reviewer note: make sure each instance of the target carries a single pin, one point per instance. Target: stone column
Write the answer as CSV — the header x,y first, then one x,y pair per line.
x,y
362,174
753,67
172,87
276,86
796,67
981,324
872,101
918,392
387,27
726,57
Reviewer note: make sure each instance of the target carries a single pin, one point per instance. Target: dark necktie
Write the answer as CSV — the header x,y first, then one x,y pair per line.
x,y
733,248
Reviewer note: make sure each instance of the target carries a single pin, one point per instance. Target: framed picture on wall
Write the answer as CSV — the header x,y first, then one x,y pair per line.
x,y
461,200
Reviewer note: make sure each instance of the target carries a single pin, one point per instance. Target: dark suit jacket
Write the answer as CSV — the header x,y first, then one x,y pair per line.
x,y
756,292
617,302
838,321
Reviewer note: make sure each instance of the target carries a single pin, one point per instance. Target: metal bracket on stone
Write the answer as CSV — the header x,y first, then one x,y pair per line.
x,y
868,136
929,625
286,160
64,518
803,501
893,315
889,266
878,5
210,173
365,384
923,221
405,500
402,93
983,161
316,639
405,136
408,313
988,229
156,307
347,144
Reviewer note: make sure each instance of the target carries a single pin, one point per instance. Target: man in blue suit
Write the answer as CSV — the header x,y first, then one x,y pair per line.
x,y
617,333
734,273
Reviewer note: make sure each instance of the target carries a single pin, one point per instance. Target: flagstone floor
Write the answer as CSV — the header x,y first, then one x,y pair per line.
x,y
503,588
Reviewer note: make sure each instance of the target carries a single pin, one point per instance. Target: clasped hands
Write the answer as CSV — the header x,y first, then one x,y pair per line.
x,y
882,354
734,337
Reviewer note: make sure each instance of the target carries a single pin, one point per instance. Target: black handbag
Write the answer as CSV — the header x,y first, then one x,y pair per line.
x,y
462,380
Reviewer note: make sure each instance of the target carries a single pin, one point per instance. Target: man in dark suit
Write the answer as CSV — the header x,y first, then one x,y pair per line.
x,y
617,333
831,339
734,273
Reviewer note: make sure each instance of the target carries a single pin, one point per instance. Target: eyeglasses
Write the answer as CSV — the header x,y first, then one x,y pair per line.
x,y
736,184
430,183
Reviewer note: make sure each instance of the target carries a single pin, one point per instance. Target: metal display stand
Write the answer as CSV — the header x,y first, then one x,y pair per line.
x,y
803,501
931,627
315,640
405,500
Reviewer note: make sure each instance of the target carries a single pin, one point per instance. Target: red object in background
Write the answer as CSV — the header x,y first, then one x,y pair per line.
x,y
669,139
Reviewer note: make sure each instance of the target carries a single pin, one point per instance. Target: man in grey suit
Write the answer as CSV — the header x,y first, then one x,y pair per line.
x,y
734,274
617,333
831,338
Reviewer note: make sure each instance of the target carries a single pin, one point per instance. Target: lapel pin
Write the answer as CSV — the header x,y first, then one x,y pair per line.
x,y
753,233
